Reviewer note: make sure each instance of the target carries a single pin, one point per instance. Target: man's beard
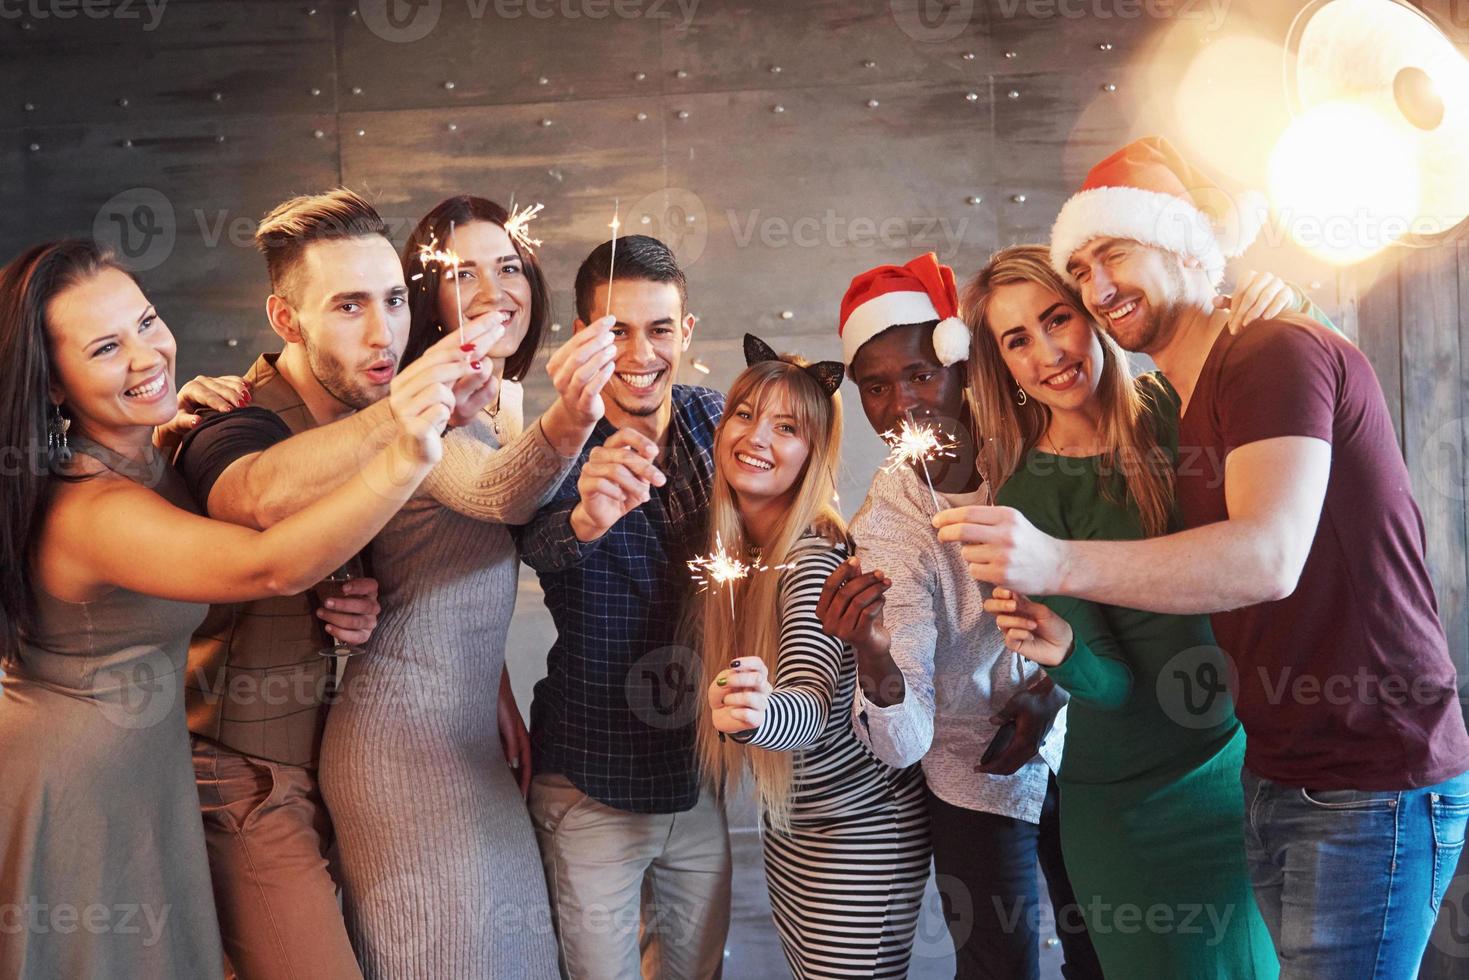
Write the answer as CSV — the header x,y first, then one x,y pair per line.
x,y
338,381
638,412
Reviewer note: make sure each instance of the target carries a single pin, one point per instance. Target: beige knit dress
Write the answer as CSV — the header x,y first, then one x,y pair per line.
x,y
440,869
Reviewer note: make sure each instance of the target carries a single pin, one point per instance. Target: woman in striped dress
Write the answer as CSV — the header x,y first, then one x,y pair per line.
x,y
846,836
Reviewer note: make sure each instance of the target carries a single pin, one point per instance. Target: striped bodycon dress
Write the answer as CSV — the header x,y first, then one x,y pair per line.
x,y
846,880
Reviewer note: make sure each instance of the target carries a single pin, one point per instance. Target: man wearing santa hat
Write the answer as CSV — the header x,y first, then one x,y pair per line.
x,y
937,683
1304,541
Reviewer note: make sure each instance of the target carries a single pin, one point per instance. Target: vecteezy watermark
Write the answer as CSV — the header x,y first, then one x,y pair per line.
x,y
1212,12
677,217
138,224
662,687
1195,687
933,21
148,11
1451,932
1443,460
405,21
833,230
1128,919
39,918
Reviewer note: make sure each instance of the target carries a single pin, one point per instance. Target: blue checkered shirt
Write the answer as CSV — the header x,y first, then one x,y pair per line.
x,y
615,711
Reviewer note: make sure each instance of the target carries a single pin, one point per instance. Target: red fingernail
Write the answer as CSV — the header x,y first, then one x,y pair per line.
x,y
248,396
474,364
466,347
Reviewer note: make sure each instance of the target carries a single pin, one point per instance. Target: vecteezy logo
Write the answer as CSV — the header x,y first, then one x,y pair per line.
x,y
933,21
138,225
661,687
139,694
400,21
676,217
1195,687
1451,934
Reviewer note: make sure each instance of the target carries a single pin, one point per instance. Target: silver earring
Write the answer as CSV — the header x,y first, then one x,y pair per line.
x,y
1020,396
56,436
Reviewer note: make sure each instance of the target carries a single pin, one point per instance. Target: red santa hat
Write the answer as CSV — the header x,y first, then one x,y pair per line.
x,y
893,295
1148,192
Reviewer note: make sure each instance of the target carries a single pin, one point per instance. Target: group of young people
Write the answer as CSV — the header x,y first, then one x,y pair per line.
x,y
1008,659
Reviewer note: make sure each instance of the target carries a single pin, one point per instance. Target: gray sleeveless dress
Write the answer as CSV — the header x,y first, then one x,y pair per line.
x,y
103,871
440,869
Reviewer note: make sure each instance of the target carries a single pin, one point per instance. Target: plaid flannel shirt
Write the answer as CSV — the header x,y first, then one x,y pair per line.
x,y
615,711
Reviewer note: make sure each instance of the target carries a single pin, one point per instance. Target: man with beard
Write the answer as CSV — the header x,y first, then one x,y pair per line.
x,y
1305,542
937,683
616,799
258,682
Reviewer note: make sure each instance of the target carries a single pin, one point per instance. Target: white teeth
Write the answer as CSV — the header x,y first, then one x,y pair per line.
x,y
1122,311
148,390
753,461
639,380
1064,378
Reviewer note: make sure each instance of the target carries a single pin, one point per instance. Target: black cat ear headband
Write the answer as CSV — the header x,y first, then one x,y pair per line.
x,y
828,374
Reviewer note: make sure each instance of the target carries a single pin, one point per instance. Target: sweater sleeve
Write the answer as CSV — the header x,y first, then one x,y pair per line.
x,y
506,485
808,668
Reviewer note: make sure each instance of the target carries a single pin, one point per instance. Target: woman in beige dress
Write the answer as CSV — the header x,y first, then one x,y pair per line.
x,y
107,570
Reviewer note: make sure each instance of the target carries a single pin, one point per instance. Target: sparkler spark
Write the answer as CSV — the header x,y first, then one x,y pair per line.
x,y
516,224
719,567
913,443
430,254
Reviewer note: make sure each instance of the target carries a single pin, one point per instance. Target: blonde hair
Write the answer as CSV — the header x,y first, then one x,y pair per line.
x,y
818,417
1008,431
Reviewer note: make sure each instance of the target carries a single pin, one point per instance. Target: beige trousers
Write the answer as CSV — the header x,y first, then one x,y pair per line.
x,y
633,892
267,833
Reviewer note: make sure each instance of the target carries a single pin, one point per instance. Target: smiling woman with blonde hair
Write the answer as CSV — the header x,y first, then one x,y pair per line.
x,y
846,836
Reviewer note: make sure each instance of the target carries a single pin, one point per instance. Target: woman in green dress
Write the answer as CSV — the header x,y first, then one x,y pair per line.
x,y
1152,808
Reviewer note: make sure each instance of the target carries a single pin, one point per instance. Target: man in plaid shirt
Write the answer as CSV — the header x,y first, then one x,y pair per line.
x,y
625,828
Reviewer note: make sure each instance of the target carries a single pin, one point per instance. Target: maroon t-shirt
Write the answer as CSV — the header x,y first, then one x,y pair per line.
x,y
1347,683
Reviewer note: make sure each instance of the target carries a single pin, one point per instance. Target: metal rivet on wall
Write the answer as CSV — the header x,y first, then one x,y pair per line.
x,y
555,328
683,113
971,96
973,199
122,103
1010,56
356,89
646,219
1315,284
1014,93
680,74
543,80
448,86
453,127
126,144
219,138
872,103
30,107
1109,87
787,314
315,92
1105,46
232,342
35,147
967,56
775,69
869,63
639,76
311,12
547,122
642,117
777,108
1018,198
361,132
319,133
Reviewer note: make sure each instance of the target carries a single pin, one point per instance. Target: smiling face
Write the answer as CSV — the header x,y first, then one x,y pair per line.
x,y
1137,292
762,451
349,309
1050,347
112,355
492,283
651,333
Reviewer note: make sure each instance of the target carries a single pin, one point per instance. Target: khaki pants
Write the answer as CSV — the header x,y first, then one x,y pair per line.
x,y
267,832
633,892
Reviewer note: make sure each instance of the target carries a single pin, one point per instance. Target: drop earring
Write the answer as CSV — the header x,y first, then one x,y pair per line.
x,y
56,443
1020,396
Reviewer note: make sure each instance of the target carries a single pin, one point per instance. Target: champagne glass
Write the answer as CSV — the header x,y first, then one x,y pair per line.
x,y
331,588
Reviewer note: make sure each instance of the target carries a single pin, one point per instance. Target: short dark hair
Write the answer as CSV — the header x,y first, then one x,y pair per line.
x,y
638,257
291,226
426,325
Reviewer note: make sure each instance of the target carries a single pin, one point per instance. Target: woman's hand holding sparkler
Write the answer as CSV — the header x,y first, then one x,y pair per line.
x,y
1031,629
617,478
739,696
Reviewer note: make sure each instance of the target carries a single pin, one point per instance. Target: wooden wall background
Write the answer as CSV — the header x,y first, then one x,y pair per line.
x,y
780,145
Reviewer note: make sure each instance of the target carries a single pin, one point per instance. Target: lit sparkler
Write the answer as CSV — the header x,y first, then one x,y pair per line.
x,y
612,260
429,254
516,224
913,443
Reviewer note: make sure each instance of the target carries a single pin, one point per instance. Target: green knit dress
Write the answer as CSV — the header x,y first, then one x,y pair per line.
x,y
1152,813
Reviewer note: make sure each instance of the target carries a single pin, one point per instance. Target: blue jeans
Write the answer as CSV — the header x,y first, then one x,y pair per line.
x,y
1350,881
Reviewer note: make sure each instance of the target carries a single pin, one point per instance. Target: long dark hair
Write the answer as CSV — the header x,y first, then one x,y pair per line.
x,y
423,280
27,286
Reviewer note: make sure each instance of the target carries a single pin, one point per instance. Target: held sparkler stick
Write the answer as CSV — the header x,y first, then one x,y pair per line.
x,y
914,443
612,260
